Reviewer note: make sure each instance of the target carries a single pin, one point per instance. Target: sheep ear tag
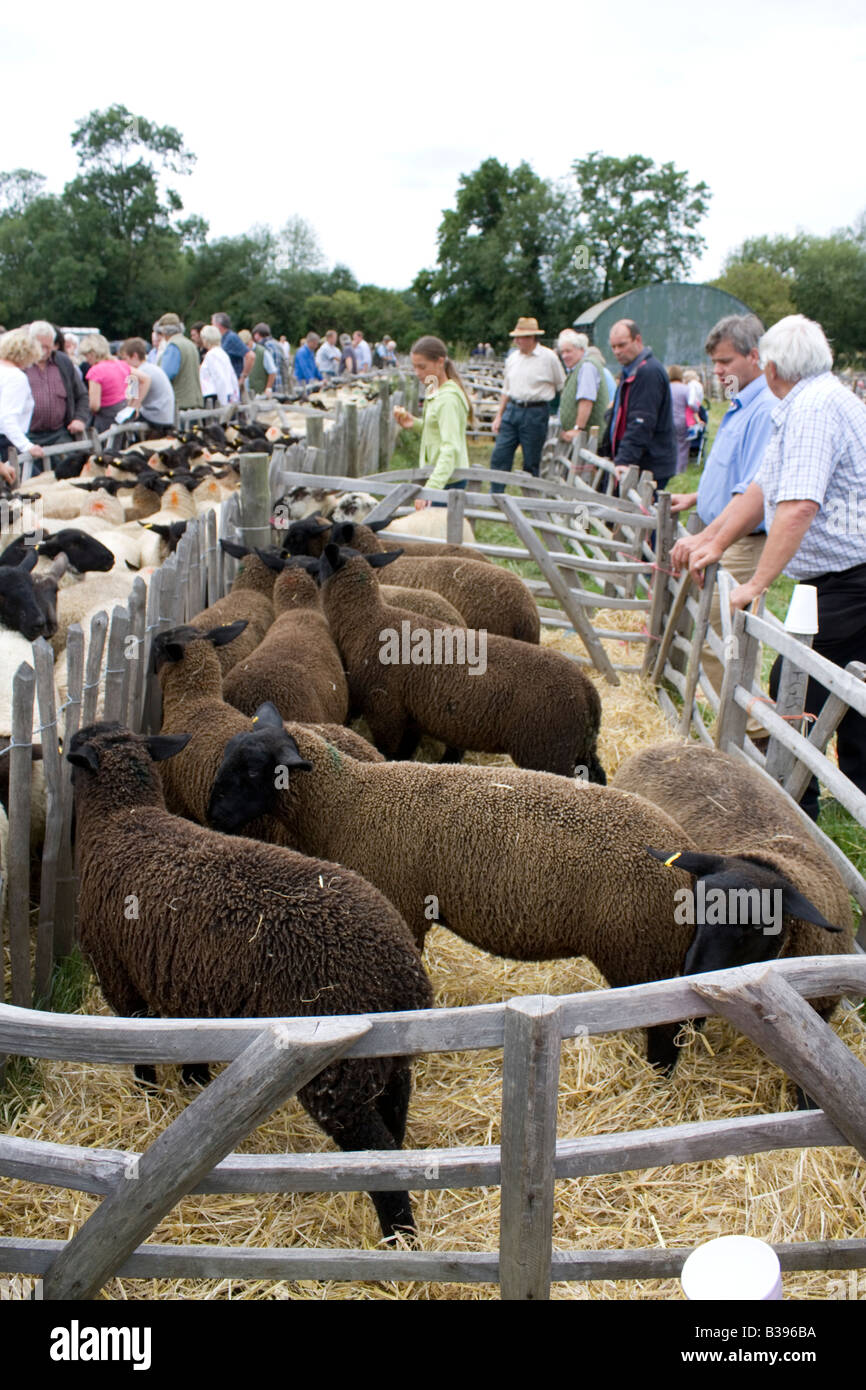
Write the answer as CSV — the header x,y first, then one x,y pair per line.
x,y
163,746
267,716
691,862
383,557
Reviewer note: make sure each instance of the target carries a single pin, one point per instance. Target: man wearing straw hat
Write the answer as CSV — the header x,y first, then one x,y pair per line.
x,y
533,376
813,470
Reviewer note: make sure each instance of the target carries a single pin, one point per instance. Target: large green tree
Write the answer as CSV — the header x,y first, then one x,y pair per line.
x,y
764,288
636,221
494,249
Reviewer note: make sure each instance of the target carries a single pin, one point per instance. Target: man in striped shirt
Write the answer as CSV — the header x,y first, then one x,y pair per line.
x,y
810,489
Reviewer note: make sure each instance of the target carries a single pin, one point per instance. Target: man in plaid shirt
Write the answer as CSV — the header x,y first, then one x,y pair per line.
x,y
809,489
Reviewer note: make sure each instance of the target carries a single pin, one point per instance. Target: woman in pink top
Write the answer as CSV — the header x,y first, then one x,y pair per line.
x,y
106,380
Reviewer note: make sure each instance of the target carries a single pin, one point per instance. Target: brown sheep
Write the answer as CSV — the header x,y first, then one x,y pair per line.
x,y
728,808
296,665
186,661
249,600
529,702
262,932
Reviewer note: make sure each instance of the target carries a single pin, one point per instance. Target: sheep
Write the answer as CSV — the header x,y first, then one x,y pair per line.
x,y
263,932
78,602
488,596
528,701
429,521
522,864
296,665
186,661
84,552
729,811
310,535
249,599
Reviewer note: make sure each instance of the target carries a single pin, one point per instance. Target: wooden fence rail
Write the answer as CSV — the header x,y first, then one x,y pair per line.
x,y
271,1059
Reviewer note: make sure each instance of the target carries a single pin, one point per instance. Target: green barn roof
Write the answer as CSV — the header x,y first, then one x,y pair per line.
x,y
674,320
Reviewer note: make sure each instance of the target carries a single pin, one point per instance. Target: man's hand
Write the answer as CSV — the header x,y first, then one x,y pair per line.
x,y
497,421
568,435
74,427
620,469
743,594
682,501
705,552
681,552
8,472
36,451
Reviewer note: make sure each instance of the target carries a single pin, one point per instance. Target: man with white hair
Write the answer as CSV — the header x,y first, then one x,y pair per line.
x,y
584,399
60,408
813,466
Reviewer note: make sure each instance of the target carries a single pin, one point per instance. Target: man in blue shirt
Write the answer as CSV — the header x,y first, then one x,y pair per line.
x,y
232,344
305,368
743,435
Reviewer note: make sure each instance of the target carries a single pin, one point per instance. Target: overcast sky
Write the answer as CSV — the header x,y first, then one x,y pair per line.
x,y
361,117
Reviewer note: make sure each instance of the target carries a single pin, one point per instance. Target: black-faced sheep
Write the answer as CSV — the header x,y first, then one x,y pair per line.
x,y
527,701
262,932
249,600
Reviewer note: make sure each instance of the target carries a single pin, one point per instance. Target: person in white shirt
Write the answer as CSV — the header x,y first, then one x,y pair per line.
x,y
533,377
328,356
216,372
18,350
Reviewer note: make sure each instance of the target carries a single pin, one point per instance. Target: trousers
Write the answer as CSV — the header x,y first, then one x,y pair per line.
x,y
525,426
841,638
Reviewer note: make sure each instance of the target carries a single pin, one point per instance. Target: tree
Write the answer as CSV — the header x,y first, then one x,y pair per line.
x,y
637,221
297,247
493,253
766,290
19,188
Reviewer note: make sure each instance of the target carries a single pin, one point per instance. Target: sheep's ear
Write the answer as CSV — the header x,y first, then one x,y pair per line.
x,y
85,755
28,562
382,558
378,525
293,757
267,716
693,863
232,548
331,560
273,562
221,636
343,532
798,905
162,746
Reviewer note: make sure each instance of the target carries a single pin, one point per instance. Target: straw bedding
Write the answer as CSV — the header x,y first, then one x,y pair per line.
x,y
605,1087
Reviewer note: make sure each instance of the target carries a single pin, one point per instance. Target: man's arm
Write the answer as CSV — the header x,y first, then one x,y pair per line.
x,y
741,516
790,524
497,419
171,361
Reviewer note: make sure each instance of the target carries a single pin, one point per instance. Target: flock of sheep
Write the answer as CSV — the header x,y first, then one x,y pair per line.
x,y
276,862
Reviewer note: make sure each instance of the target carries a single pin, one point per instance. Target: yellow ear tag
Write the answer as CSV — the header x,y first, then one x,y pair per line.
x,y
670,861
255,719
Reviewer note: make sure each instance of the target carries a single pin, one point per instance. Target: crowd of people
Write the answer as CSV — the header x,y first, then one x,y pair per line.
x,y
55,386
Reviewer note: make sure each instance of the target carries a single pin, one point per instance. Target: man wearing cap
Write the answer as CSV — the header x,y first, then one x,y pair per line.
x,y
268,372
179,359
533,376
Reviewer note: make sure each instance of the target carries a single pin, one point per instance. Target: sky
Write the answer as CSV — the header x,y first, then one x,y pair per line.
x,y
361,117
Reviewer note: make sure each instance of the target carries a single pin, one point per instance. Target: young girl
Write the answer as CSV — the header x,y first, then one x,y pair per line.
x,y
446,412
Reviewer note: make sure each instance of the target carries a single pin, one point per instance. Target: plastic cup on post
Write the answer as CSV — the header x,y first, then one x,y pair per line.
x,y
733,1267
802,615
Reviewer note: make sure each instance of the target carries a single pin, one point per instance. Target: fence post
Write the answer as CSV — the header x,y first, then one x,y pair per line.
x,y
255,500
20,757
43,661
456,509
530,1083
314,432
384,423
790,700
732,720
664,544
67,896
351,418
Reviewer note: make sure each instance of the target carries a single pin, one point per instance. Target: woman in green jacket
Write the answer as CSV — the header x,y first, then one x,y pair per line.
x,y
446,413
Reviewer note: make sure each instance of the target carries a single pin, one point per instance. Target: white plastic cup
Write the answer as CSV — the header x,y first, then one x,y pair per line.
x,y
802,613
733,1267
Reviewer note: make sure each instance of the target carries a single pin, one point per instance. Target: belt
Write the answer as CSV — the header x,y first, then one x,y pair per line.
x,y
527,405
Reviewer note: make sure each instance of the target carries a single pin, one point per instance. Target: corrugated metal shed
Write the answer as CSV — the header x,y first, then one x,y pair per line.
x,y
674,320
